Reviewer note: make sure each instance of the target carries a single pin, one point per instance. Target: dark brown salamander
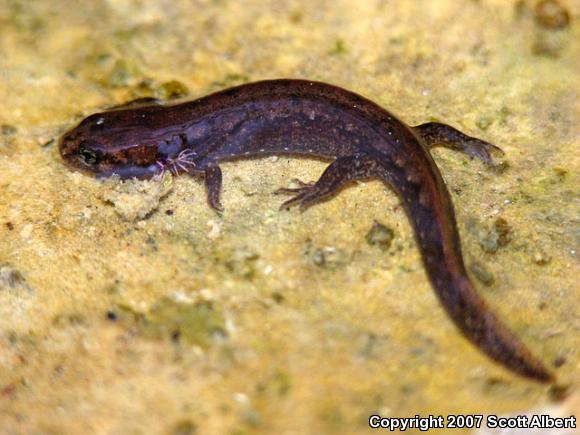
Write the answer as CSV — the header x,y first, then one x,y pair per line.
x,y
295,117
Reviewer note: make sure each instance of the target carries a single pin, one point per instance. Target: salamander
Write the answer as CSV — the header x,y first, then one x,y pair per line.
x,y
147,137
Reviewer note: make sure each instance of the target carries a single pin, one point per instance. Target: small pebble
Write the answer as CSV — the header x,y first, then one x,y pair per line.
x,y
484,122
10,277
277,297
503,230
252,417
550,14
559,392
171,90
7,129
559,361
318,257
497,236
329,256
482,273
548,44
541,258
184,427
380,235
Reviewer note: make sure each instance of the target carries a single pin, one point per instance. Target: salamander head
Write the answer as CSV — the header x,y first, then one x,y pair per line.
x,y
119,142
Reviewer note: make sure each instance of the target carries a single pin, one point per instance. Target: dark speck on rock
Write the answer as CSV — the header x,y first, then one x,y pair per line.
x,y
548,44
152,243
278,297
482,273
502,229
171,90
559,392
541,258
329,257
183,427
11,277
500,167
48,143
7,129
550,14
318,257
380,235
484,122
559,361
491,239
494,383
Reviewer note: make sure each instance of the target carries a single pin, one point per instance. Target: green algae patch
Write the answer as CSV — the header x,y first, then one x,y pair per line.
x,y
197,323
490,238
339,48
279,383
183,427
122,74
171,90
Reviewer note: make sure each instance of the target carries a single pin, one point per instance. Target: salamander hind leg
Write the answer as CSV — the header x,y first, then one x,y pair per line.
x,y
436,134
340,172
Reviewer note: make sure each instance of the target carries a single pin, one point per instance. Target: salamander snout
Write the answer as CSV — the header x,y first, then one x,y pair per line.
x,y
105,155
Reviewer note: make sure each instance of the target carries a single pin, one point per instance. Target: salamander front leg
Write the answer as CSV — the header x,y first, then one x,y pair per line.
x,y
340,172
436,134
213,184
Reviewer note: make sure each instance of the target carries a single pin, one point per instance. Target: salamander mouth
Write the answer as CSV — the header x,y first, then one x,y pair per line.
x,y
68,144
127,171
183,162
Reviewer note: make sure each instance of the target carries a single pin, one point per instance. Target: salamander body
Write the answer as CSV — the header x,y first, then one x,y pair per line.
x,y
145,138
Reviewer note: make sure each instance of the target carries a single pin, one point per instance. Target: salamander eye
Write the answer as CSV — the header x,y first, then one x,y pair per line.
x,y
88,156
